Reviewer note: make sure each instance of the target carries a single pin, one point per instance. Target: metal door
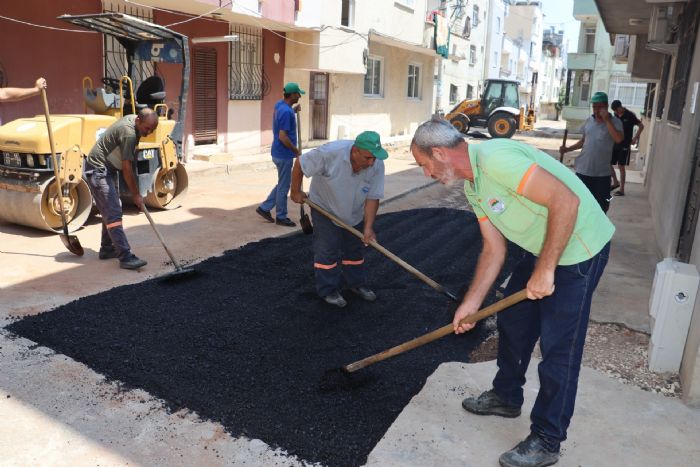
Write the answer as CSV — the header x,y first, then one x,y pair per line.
x,y
204,88
692,203
319,105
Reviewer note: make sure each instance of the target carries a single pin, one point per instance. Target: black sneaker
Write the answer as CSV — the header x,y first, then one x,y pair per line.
x,y
531,452
108,253
265,214
132,262
365,293
335,299
285,222
488,403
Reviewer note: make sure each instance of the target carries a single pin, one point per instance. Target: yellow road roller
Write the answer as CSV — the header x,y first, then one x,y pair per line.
x,y
27,194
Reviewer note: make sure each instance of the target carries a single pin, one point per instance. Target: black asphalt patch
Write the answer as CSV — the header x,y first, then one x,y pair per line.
x,y
246,342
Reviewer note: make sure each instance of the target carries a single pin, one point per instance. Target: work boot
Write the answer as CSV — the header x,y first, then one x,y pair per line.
x,y
531,452
335,299
365,293
132,262
285,222
265,214
488,403
108,252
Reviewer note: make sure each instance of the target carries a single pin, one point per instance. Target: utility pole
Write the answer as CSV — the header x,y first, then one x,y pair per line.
x,y
438,83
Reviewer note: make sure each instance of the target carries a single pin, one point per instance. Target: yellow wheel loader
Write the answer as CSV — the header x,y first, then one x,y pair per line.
x,y
498,110
27,194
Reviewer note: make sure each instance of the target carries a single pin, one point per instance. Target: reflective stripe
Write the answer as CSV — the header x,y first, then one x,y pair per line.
x,y
483,219
325,266
114,224
353,263
525,178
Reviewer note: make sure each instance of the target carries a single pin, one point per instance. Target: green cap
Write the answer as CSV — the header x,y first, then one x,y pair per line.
x,y
369,140
599,97
291,88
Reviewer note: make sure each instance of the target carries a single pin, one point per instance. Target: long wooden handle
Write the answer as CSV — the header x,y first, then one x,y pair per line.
x,y
54,161
438,333
160,237
383,250
563,143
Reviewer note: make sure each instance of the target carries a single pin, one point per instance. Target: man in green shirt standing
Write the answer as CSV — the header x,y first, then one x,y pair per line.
x,y
523,195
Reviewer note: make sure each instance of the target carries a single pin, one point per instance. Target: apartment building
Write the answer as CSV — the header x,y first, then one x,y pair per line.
x,y
524,28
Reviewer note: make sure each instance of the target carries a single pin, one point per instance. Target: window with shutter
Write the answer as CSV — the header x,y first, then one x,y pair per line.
x,y
204,90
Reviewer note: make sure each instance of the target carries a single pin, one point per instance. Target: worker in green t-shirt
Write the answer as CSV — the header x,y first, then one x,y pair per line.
x,y
523,195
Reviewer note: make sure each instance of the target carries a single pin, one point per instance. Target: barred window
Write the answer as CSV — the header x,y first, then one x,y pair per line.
x,y
246,80
115,62
631,94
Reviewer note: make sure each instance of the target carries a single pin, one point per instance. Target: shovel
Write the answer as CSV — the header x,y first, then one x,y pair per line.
x,y
385,252
436,334
179,271
70,241
304,220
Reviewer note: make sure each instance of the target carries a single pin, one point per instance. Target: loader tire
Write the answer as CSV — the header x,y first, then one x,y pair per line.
x,y
461,123
502,125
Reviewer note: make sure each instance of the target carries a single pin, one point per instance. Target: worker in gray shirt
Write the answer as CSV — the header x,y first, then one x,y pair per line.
x,y
115,151
348,181
600,133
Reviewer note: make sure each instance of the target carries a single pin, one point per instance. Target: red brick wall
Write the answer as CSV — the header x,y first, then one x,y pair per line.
x,y
63,58
173,72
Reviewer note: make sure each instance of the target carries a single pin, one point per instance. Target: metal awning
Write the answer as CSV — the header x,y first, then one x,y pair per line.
x,y
124,27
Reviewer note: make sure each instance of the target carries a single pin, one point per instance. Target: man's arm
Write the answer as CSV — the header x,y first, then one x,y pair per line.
x,y
640,128
130,179
297,176
562,204
17,94
493,254
578,145
617,135
284,139
371,208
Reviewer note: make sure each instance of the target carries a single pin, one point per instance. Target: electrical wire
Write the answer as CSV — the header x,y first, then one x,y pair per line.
x,y
46,27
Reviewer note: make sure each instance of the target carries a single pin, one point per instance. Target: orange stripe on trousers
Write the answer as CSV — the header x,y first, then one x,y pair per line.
x,y
325,266
114,224
353,263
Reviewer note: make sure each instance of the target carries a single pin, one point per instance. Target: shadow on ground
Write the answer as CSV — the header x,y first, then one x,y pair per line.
x,y
246,341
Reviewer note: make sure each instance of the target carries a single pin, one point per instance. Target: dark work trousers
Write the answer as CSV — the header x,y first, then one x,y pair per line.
x,y
337,256
560,322
104,187
599,187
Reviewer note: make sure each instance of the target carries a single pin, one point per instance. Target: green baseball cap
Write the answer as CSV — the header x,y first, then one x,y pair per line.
x,y
291,88
369,140
599,97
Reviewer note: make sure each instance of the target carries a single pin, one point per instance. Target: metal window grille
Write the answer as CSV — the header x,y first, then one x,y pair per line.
x,y
686,35
115,62
662,87
246,76
631,94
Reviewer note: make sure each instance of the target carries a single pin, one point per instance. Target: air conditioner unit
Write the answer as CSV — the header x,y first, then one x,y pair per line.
x,y
622,45
663,24
671,304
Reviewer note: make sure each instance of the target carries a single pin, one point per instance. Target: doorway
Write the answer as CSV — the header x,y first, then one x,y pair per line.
x,y
204,89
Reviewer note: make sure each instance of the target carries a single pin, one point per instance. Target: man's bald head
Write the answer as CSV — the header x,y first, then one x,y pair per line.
x,y
146,121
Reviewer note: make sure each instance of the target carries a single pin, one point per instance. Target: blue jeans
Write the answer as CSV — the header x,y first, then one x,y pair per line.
x,y
278,195
337,256
105,192
560,322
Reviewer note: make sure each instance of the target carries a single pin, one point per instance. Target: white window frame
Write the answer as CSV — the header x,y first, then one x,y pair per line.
x,y
475,16
379,92
472,55
406,3
415,92
351,15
